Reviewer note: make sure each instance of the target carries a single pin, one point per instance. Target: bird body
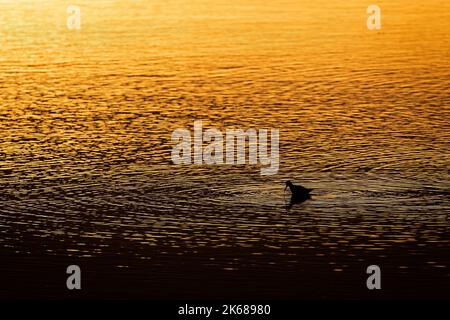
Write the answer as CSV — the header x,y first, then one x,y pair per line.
x,y
298,192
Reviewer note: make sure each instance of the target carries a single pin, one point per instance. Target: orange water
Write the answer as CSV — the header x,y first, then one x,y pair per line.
x,y
86,119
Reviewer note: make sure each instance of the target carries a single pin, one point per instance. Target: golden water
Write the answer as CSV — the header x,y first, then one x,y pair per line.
x,y
86,119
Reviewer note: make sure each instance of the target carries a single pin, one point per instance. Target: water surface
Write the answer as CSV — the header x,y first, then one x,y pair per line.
x,y
86,119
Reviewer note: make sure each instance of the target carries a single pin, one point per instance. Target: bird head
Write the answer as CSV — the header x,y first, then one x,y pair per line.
x,y
288,184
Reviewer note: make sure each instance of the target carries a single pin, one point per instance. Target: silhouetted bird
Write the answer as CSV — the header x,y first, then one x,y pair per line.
x,y
298,192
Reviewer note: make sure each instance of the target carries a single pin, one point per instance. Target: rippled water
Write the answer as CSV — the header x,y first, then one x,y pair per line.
x,y
86,120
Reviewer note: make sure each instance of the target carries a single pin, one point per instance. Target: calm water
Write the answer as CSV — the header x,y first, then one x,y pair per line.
x,y
86,120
